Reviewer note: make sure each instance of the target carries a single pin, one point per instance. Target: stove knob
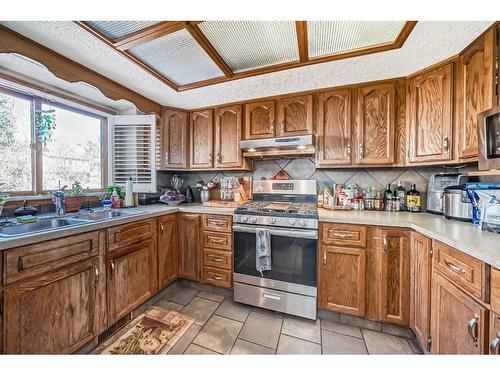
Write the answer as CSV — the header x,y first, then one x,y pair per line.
x,y
272,220
303,223
292,222
244,219
253,220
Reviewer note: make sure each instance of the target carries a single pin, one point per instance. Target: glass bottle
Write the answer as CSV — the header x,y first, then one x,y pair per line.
x,y
400,194
388,198
413,199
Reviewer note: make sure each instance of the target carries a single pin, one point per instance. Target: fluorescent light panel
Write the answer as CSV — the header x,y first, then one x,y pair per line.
x,y
118,29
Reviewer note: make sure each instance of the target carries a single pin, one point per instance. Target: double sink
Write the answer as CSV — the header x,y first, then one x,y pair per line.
x,y
53,223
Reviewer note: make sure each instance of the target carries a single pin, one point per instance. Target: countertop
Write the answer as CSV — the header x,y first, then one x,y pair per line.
x,y
462,236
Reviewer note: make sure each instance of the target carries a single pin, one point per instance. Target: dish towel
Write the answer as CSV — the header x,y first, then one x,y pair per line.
x,y
263,250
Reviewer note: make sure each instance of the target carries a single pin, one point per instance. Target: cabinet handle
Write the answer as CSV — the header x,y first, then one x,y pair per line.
x,y
216,240
494,344
20,264
446,144
216,277
453,267
272,296
96,270
384,239
282,126
361,155
348,150
219,157
162,228
166,157
112,266
343,235
272,126
217,259
472,328
217,223
210,158
324,259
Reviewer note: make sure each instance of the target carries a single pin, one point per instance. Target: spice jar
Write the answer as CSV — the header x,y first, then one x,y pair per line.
x,y
378,202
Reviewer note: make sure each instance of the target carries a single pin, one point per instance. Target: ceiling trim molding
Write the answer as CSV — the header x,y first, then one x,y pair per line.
x,y
148,34
301,27
71,71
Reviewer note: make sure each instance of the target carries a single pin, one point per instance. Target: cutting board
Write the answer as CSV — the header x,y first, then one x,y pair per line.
x,y
222,204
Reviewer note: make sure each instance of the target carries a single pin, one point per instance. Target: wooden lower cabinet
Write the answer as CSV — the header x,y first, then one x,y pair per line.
x,y
420,287
458,321
1,320
341,272
57,312
190,257
132,278
168,260
494,345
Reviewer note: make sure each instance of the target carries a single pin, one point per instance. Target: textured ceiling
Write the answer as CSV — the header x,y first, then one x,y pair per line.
x,y
429,43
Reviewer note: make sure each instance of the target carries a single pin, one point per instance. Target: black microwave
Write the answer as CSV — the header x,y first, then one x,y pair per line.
x,y
489,139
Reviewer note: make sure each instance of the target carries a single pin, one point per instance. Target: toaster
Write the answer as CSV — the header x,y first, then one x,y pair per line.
x,y
435,190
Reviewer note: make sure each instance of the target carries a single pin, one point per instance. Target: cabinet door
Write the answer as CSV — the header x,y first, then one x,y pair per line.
x,y
420,287
1,320
494,346
132,278
259,120
430,116
334,128
395,276
167,250
202,139
227,137
174,140
475,86
190,257
342,279
54,313
375,124
458,321
295,116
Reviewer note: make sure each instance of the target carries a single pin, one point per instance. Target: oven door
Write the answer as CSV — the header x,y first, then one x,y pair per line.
x,y
293,258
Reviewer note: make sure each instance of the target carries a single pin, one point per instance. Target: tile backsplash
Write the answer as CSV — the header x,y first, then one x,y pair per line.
x,y
305,169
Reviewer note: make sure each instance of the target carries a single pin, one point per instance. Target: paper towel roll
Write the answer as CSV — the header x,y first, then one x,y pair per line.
x,y
129,197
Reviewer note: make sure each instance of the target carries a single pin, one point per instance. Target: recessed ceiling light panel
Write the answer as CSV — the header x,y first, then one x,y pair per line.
x,y
118,29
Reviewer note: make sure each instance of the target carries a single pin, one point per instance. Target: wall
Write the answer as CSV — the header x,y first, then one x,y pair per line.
x,y
301,169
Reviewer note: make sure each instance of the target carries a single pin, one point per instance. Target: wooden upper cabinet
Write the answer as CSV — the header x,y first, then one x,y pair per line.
x,y
430,122
56,312
334,128
458,322
202,139
168,260
420,287
375,124
259,119
295,116
190,257
228,130
174,140
475,91
341,273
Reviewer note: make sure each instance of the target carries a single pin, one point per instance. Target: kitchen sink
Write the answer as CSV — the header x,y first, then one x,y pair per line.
x,y
40,226
103,215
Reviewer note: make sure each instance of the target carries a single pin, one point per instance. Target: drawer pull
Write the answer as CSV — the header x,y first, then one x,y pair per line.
x,y
472,329
453,267
20,264
216,240
216,277
112,266
494,344
272,296
217,259
343,235
96,270
385,243
162,228
216,223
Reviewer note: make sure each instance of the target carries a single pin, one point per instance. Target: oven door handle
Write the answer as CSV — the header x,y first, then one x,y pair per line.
x,y
297,233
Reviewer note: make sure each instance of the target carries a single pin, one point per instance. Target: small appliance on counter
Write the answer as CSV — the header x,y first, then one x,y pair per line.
x,y
488,135
145,199
456,203
436,188
485,199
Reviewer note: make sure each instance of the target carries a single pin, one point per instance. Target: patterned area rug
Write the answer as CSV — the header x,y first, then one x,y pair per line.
x,y
154,332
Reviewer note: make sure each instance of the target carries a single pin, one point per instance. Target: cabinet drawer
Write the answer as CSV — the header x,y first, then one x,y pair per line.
x,y
129,234
217,223
222,241
495,290
343,235
467,272
217,277
217,258
33,260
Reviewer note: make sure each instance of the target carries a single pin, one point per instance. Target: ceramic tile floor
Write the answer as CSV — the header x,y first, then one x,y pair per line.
x,y
226,327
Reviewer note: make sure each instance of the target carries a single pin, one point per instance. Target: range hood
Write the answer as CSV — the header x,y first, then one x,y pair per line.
x,y
278,147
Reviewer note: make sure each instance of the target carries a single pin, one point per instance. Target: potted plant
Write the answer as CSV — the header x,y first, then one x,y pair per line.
x,y
108,191
75,198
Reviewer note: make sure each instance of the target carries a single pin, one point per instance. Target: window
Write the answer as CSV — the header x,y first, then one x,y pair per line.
x,y
75,151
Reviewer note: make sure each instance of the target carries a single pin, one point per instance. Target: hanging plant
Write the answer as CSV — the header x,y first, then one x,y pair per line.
x,y
45,124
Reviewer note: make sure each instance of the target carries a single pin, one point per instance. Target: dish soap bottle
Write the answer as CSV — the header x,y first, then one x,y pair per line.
x,y
115,199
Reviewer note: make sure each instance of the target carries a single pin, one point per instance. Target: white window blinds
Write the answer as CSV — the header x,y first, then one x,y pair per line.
x,y
133,151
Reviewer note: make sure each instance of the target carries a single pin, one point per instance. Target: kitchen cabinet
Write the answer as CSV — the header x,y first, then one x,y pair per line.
x,y
295,116
190,257
430,120
341,273
168,260
420,287
458,321
260,119
56,312
475,91
132,278
494,343
1,320
228,131
375,124
334,128
174,140
201,139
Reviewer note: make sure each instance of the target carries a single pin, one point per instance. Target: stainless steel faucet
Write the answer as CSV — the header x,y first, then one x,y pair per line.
x,y
60,202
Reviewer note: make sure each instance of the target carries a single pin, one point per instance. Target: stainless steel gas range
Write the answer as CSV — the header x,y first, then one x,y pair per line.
x,y
288,209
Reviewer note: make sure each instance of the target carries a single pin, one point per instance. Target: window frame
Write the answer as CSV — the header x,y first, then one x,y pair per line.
x,y
36,147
